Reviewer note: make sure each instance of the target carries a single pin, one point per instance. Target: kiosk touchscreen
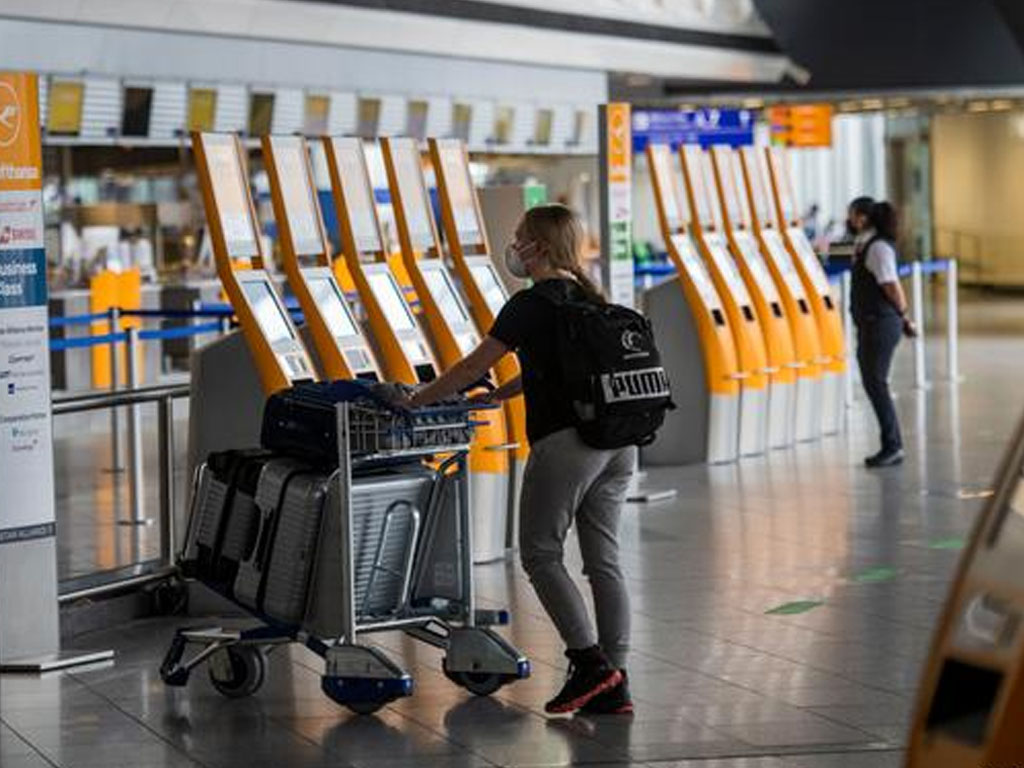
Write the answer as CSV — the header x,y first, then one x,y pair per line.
x,y
778,339
469,250
402,351
751,355
816,287
279,354
454,335
694,336
342,350
797,308
971,701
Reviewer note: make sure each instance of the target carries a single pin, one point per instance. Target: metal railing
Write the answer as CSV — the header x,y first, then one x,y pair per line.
x,y
164,397
133,398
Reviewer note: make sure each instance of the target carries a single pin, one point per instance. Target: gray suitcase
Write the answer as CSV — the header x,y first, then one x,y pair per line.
x,y
274,579
223,520
387,513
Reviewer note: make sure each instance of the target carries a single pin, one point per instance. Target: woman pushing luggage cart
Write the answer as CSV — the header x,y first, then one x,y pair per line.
x,y
584,416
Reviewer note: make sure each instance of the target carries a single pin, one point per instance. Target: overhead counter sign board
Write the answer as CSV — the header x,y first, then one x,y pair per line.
x,y
706,127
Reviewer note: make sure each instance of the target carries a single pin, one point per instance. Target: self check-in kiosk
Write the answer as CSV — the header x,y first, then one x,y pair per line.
x,y
402,350
470,252
802,323
453,333
232,376
778,339
341,349
694,338
970,704
816,287
751,355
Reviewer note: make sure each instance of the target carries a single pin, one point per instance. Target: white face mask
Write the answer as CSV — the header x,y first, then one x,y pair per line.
x,y
514,259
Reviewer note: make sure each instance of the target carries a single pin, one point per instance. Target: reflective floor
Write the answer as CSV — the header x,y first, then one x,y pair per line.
x,y
782,610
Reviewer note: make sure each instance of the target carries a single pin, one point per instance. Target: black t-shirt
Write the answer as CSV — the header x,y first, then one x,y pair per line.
x,y
526,324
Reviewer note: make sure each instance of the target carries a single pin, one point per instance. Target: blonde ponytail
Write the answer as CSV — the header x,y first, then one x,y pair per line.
x,y
558,228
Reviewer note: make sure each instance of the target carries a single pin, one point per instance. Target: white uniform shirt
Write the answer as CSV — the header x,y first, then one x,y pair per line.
x,y
880,258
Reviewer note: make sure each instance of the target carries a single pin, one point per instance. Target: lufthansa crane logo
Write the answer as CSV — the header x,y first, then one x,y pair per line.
x,y
10,115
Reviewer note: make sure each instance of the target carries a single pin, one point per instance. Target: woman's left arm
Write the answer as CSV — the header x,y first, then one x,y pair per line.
x,y
468,370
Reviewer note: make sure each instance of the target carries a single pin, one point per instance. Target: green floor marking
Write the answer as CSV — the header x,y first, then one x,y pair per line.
x,y
798,606
951,543
875,575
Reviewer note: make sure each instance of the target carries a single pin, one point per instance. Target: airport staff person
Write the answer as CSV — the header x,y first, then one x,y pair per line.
x,y
565,480
879,309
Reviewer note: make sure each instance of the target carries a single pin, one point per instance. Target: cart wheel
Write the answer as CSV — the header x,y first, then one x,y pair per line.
x,y
478,683
364,707
248,668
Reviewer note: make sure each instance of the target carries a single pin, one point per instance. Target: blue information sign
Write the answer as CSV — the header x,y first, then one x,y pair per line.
x,y
706,127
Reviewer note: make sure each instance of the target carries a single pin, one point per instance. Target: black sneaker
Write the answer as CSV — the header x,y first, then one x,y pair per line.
x,y
887,457
614,701
590,674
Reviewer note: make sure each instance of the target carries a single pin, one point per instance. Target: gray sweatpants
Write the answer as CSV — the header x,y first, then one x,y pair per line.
x,y
566,480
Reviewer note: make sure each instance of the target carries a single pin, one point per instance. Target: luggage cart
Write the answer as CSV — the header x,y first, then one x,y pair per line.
x,y
394,554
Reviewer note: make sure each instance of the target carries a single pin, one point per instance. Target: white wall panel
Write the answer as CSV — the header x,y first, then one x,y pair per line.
x,y
167,116
232,108
289,111
342,118
392,115
439,116
481,128
101,108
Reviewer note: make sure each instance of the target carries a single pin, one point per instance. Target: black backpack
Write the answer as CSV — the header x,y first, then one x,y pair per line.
x,y
611,370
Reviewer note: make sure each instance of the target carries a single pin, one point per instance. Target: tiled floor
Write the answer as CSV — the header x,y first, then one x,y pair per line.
x,y
719,681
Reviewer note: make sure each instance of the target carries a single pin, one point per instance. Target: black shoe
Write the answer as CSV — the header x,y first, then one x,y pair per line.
x,y
887,457
590,674
614,701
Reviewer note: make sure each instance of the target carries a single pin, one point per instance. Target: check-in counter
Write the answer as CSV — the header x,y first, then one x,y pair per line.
x,y
797,308
767,302
694,337
751,355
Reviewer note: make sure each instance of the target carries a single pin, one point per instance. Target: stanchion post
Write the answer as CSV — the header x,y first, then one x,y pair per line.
x,y
135,481
952,321
917,297
115,380
845,288
166,458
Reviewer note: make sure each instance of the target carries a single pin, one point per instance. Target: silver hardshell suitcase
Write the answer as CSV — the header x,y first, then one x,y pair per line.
x,y
273,580
387,512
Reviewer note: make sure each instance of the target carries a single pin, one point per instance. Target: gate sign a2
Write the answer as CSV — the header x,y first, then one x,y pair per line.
x,y
706,127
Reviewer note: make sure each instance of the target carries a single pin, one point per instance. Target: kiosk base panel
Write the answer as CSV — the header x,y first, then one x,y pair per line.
x,y
781,415
753,421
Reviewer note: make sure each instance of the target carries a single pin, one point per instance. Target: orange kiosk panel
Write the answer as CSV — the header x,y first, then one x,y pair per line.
x,y
273,341
454,334
694,336
767,303
816,287
470,252
802,322
341,349
402,351
751,355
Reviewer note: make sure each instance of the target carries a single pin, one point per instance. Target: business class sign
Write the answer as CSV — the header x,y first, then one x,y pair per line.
x,y
26,445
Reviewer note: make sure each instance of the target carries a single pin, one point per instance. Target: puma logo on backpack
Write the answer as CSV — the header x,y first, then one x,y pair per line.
x,y
611,370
